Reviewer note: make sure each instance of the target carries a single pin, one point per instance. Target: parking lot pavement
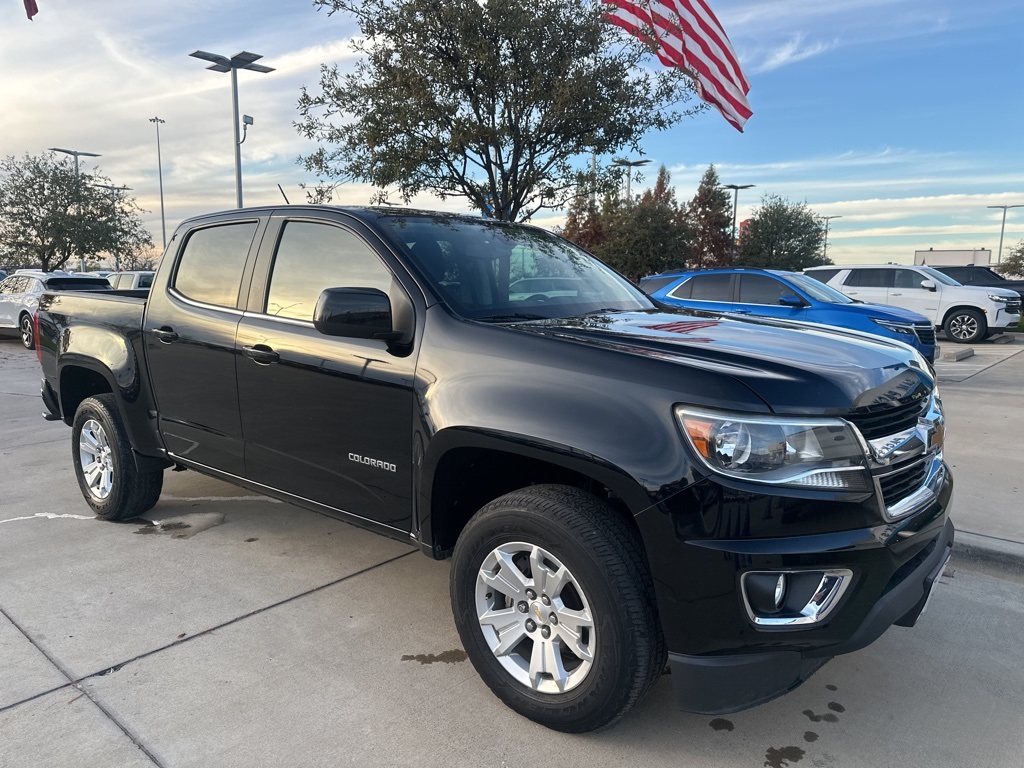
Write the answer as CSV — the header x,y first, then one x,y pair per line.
x,y
266,635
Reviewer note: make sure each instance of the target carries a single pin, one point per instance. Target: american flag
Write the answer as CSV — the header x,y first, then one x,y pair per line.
x,y
688,35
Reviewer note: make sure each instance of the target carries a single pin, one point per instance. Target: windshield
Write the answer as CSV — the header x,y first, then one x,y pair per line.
x,y
491,270
818,290
938,277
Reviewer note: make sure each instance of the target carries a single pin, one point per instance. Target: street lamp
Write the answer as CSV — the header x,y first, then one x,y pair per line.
x,y
78,189
160,173
999,258
629,165
243,60
735,206
113,207
824,247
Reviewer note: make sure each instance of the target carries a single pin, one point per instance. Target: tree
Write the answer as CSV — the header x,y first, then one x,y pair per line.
x,y
782,235
491,100
709,216
1013,264
50,217
638,238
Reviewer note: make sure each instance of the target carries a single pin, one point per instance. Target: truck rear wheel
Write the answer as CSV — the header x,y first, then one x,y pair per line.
x,y
104,464
555,607
965,326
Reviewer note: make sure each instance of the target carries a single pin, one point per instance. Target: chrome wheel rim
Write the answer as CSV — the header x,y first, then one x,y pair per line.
x,y
26,331
96,459
535,618
963,326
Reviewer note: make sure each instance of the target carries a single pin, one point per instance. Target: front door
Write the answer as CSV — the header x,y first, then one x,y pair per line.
x,y
325,418
761,295
908,293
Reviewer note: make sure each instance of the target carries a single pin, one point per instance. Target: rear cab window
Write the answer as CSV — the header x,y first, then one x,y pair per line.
x,y
212,262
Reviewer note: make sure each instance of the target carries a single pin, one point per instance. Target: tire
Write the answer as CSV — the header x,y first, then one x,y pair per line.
x,y
604,646
965,326
113,487
28,333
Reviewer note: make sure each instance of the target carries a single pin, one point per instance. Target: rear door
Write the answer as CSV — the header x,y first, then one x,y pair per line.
x,y
869,284
710,292
325,418
189,334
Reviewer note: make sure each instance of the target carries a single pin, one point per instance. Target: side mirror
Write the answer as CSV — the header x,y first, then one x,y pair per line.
x,y
928,285
791,300
355,313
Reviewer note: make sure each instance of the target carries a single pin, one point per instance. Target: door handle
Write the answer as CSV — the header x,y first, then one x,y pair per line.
x,y
165,334
895,294
261,354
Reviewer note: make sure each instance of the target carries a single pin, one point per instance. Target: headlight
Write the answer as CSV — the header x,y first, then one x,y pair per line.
x,y
893,325
996,297
793,451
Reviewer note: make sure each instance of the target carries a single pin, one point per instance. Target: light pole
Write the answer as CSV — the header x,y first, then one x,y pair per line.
x,y
78,189
999,258
113,207
243,60
824,247
735,207
629,165
160,173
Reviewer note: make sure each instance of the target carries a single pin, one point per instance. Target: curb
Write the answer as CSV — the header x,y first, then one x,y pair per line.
x,y
990,555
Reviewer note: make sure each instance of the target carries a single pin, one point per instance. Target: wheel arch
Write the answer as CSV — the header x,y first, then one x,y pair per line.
x,y
959,308
463,469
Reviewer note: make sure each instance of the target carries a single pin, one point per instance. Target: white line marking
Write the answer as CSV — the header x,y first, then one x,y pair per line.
x,y
48,516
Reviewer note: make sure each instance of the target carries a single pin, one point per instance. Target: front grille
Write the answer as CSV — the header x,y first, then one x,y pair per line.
x,y
925,333
897,485
1013,307
876,421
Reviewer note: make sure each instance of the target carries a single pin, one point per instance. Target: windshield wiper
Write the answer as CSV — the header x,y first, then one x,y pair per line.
x,y
514,316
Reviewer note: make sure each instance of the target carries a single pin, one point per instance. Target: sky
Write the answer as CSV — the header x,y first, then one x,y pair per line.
x,y
902,117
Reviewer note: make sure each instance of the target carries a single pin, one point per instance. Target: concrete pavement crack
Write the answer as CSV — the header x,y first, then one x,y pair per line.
x,y
77,683
72,683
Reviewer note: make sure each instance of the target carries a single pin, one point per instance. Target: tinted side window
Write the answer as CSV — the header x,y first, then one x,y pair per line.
x,y
908,278
650,285
711,287
824,275
759,289
682,291
210,269
312,257
145,281
870,278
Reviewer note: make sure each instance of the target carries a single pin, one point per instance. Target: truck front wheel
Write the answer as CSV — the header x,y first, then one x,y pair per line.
x,y
104,465
965,326
555,607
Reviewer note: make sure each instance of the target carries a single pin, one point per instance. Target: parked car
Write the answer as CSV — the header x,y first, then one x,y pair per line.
x,y
19,296
981,275
131,280
788,296
967,313
618,486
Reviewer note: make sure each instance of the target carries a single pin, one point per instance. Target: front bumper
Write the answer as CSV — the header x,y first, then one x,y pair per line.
x,y
701,541
720,684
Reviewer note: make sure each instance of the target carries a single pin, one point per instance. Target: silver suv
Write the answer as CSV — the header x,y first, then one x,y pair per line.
x,y
966,313
19,297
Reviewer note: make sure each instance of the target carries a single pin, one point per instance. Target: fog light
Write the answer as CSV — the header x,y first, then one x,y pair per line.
x,y
780,590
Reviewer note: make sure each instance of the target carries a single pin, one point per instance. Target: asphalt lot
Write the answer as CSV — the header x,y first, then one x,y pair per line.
x,y
266,635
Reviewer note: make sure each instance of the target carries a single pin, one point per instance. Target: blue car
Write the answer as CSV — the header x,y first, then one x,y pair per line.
x,y
788,296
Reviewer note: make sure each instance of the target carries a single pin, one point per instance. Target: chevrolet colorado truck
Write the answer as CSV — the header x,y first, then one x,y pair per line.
x,y
618,485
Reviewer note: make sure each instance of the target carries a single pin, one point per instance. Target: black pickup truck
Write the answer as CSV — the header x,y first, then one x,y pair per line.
x,y
617,484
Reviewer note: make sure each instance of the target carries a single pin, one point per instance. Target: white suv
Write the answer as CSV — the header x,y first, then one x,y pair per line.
x,y
967,313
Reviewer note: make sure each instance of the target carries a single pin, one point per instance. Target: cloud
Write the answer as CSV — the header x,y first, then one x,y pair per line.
x,y
792,51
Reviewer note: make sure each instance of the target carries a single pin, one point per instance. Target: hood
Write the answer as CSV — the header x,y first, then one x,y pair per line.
x,y
794,367
882,312
1005,292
